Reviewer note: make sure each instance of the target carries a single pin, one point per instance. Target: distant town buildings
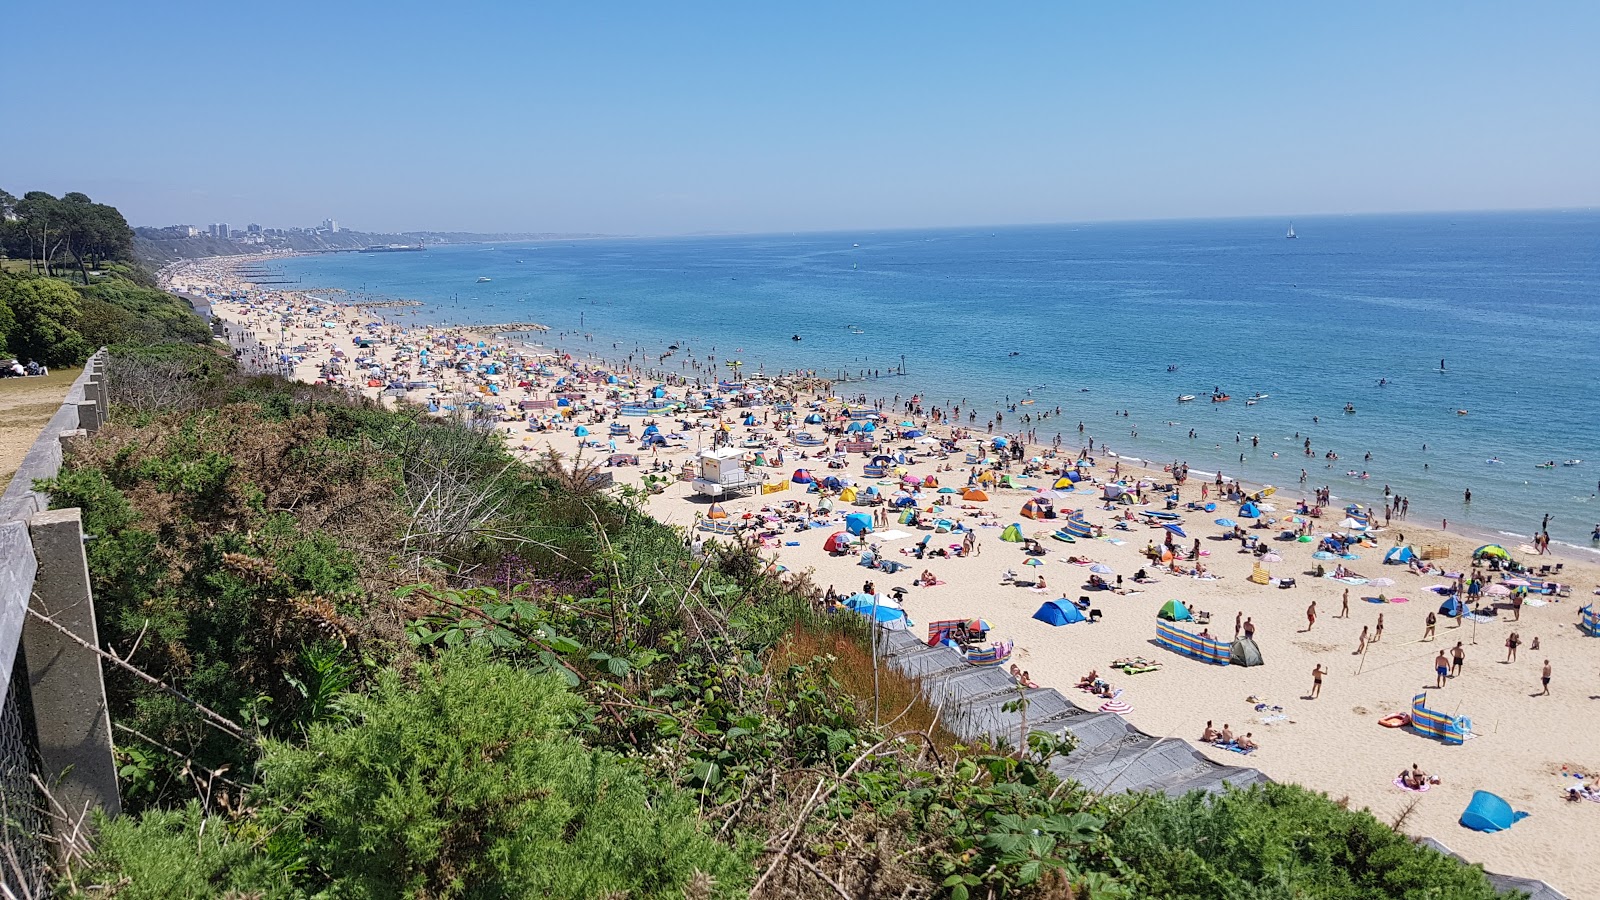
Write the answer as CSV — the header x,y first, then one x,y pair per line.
x,y
330,226
220,230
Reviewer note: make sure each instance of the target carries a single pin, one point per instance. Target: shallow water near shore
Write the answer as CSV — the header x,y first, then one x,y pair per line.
x,y
1096,314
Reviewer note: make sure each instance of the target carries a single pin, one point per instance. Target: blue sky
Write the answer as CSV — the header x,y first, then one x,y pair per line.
x,y
657,118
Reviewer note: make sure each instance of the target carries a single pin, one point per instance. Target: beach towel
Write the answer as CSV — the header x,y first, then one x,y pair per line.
x,y
890,535
1235,748
1352,581
1401,784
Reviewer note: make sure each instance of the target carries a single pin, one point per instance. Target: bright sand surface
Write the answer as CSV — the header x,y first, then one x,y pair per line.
x,y
1522,743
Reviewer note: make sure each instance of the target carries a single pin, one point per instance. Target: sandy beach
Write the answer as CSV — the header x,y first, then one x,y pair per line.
x,y
1525,747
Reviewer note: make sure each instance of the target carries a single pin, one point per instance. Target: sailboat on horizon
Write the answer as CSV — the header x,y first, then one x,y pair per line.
x,y
1291,235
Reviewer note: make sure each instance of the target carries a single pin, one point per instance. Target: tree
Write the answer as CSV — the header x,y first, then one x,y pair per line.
x,y
8,323
47,316
40,216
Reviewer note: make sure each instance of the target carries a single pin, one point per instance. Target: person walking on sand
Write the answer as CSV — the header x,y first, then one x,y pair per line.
x,y
1458,658
1427,633
1311,615
1316,681
1249,629
1344,607
1544,679
1377,633
1361,647
1513,640
1441,668
1238,624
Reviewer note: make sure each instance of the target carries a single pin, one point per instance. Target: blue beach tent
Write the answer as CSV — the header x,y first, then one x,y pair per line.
x,y
1398,556
1489,812
1053,612
858,523
1453,607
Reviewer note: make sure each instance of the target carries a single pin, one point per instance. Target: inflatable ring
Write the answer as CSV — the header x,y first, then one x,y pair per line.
x,y
1395,721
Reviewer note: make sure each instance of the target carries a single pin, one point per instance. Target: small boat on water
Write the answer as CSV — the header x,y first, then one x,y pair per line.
x,y
1220,398
1572,462
483,278
1291,235
1251,402
1259,396
1185,398
1545,465
1349,407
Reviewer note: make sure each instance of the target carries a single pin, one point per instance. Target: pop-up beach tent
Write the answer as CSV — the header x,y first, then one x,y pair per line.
x,y
858,523
1056,613
1174,611
1037,508
1453,607
1244,652
1399,556
1013,533
838,542
1490,812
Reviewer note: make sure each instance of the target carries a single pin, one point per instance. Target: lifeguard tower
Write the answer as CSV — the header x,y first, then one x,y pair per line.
x,y
722,474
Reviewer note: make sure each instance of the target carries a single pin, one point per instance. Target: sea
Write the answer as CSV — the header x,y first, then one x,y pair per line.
x,y
1467,344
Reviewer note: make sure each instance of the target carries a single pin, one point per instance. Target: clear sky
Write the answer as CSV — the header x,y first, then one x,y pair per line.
x,y
658,118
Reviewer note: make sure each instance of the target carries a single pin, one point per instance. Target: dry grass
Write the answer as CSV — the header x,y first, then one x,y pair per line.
x,y
901,703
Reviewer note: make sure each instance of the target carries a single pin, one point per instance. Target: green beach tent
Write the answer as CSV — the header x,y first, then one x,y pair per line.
x,y
1174,611
1013,533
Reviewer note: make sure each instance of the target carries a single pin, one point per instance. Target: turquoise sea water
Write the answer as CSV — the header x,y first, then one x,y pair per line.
x,y
1095,315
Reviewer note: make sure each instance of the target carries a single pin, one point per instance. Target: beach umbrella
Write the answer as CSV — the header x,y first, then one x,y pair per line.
x,y
908,424
1491,550
1175,530
948,490
1116,706
1033,561
1352,523
1381,582
1271,558
1102,569
1497,590
914,433
1227,523
979,625
1515,582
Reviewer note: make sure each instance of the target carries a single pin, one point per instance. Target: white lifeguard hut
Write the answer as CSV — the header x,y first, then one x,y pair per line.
x,y
722,474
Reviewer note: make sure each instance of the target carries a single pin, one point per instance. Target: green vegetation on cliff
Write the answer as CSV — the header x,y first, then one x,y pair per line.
x,y
428,670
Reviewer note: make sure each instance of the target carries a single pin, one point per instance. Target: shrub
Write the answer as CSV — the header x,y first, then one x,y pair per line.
x,y
470,784
1281,841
